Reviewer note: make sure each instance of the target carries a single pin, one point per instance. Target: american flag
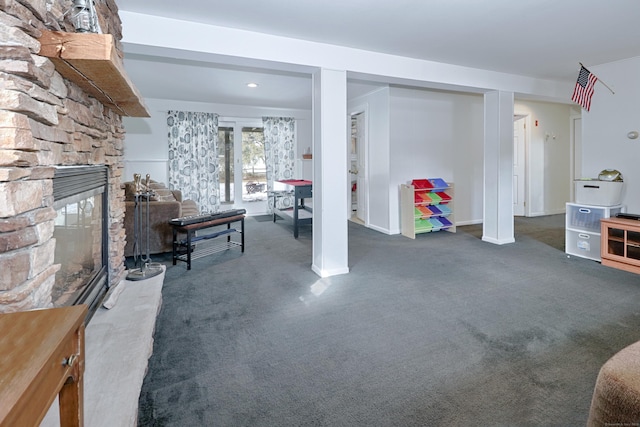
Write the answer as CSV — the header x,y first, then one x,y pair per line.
x,y
584,88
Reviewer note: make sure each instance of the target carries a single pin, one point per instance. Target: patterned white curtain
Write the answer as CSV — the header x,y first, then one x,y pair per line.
x,y
193,157
280,154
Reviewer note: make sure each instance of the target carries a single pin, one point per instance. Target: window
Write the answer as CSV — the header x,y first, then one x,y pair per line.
x,y
254,170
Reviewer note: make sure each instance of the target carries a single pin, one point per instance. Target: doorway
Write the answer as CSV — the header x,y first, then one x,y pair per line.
x,y
519,164
357,167
242,166
575,153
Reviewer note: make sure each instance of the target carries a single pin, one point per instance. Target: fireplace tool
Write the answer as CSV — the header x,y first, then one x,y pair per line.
x,y
145,268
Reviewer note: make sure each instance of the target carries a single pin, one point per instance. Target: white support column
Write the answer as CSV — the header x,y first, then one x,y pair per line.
x,y
330,136
498,168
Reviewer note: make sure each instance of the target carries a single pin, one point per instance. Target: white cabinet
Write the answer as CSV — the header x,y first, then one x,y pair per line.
x,y
426,205
582,228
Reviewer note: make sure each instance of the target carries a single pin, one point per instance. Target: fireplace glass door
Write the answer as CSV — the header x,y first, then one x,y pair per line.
x,y
80,232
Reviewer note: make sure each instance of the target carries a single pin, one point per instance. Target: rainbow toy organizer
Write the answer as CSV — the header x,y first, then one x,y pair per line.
x,y
426,206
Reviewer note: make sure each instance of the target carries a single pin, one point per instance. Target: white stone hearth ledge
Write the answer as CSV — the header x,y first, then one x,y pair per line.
x,y
118,344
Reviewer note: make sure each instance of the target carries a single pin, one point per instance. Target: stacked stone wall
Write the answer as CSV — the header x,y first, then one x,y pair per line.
x,y
47,121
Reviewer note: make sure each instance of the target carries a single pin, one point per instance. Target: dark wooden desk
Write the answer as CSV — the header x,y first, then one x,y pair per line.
x,y
300,214
183,249
41,356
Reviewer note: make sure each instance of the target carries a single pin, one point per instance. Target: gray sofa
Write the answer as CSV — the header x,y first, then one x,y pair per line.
x,y
164,205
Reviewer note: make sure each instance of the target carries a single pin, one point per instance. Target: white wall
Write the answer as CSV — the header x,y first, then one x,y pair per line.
x,y
437,135
604,128
548,156
146,147
415,133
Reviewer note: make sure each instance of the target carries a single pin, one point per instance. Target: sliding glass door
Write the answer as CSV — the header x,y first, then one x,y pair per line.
x,y
243,180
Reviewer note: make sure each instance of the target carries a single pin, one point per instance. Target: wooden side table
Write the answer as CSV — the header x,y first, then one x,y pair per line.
x,y
620,243
41,356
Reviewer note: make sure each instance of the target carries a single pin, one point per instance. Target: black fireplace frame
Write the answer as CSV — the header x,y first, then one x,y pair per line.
x,y
69,182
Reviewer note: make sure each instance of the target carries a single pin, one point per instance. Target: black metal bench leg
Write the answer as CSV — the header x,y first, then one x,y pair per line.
x,y
188,249
242,234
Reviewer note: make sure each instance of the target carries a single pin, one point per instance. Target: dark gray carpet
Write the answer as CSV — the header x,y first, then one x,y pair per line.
x,y
263,218
444,330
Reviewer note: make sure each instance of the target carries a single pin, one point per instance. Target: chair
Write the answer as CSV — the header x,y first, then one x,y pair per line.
x,y
616,396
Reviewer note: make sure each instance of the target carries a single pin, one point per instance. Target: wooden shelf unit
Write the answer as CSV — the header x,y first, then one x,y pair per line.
x,y
620,245
416,203
92,62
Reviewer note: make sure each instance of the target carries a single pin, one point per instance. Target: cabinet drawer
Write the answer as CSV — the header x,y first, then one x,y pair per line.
x,y
583,244
588,218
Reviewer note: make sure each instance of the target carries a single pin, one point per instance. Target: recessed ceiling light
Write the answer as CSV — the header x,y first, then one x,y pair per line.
x,y
252,85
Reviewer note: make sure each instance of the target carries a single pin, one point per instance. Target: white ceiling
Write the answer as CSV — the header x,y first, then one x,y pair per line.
x,y
167,78
538,38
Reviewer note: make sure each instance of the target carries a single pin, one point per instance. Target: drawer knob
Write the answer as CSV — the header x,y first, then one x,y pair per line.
x,y
69,361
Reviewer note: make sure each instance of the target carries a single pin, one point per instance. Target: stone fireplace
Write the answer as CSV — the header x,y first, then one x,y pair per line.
x,y
48,126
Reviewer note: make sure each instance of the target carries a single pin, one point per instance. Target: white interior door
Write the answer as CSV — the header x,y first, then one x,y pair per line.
x,y
360,189
519,169
357,165
577,148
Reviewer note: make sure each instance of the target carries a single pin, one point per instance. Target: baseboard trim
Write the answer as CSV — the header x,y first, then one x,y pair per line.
x,y
327,273
498,241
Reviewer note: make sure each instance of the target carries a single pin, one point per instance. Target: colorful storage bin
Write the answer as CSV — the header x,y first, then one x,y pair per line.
x,y
438,184
444,196
445,222
422,184
435,224
445,210
423,225
435,209
435,198
425,197
424,211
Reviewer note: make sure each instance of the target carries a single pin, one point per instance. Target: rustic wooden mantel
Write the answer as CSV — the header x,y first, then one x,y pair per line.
x,y
92,62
